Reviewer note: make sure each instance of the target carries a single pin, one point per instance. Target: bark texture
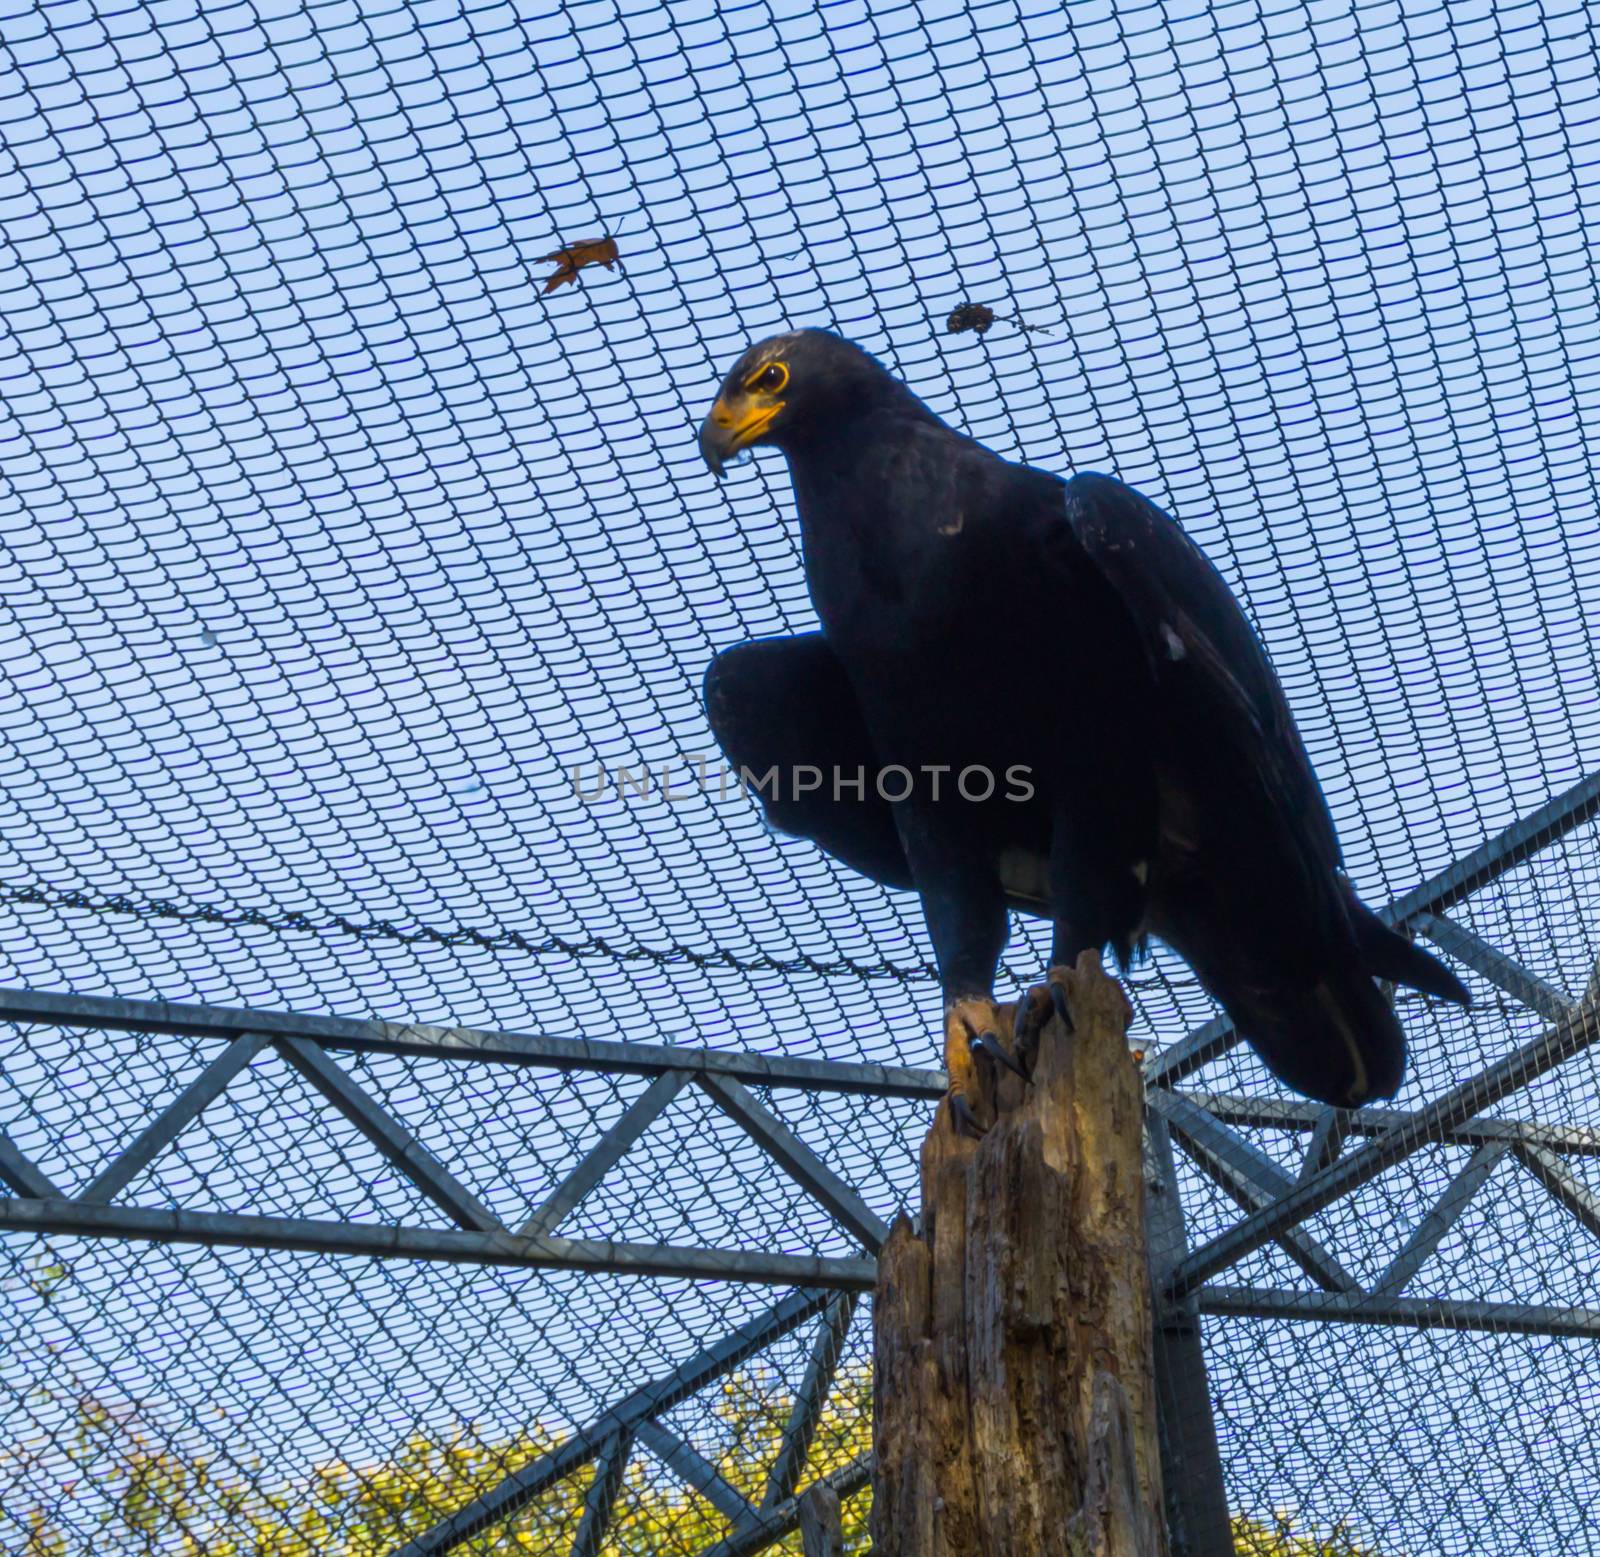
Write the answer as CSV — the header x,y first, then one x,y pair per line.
x,y
1014,1406
821,1522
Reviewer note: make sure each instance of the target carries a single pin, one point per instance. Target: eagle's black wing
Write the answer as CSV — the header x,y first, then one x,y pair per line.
x,y
1249,884
1202,655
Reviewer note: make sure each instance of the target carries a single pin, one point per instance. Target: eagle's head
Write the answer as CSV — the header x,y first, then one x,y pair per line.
x,y
790,387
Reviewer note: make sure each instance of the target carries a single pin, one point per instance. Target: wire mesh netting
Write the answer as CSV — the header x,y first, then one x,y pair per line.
x,y
357,587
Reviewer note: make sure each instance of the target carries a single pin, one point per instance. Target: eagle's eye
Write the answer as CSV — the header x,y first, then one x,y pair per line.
x,y
771,378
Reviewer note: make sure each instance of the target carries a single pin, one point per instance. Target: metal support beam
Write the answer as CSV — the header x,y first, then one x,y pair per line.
x,y
1275,1113
773,1524
611,1148
797,1159
522,1486
1250,1179
1446,1211
72,1219
171,1122
396,1143
467,1043
809,1400
1569,1191
1409,1313
1328,1136
1191,1466
600,1501
1504,972
40,1206
1471,873
1568,1036
694,1470
20,1173
1206,1043
1520,841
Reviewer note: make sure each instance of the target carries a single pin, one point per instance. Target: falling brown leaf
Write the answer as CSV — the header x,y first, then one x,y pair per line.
x,y
970,316
570,260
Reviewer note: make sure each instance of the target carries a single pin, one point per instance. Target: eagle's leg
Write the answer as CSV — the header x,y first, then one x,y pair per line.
x,y
965,908
1096,899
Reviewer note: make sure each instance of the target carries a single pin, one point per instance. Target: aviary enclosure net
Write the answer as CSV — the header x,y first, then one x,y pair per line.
x,y
346,564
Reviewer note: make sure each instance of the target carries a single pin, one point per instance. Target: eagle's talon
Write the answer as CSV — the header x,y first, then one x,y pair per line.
x,y
1034,1010
965,1120
989,1043
969,1029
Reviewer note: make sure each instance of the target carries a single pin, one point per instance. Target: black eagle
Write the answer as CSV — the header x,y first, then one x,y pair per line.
x,y
1064,638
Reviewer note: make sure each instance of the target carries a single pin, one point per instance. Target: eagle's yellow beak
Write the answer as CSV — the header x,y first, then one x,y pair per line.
x,y
731,428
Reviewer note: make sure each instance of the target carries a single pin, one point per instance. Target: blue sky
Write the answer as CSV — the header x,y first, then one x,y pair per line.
x,y
332,542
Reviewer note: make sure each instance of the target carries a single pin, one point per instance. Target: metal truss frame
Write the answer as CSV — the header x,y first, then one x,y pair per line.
x,y
1204,1124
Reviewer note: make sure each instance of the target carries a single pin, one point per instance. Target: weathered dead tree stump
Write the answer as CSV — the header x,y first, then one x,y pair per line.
x,y
1014,1399
821,1522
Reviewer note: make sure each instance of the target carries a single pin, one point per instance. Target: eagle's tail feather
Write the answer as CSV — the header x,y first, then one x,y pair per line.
x,y
1336,1040
1389,955
1334,1035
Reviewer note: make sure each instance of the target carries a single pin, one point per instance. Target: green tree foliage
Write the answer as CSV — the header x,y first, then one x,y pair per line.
x,y
123,1488
1279,1539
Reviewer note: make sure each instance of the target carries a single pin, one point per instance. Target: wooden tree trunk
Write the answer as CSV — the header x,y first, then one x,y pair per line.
x,y
1014,1409
821,1522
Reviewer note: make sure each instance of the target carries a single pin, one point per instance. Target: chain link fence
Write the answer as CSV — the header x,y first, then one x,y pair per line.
x,y
353,577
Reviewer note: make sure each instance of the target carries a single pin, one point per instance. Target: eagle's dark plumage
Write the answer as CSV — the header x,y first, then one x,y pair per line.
x,y
979,614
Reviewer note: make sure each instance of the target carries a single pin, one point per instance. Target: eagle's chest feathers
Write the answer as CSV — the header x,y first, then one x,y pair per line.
x,y
900,595
889,558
